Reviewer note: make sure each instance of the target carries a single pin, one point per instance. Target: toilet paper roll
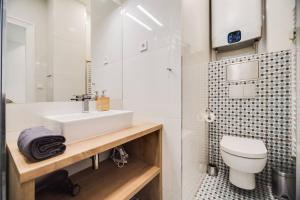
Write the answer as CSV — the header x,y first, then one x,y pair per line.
x,y
209,117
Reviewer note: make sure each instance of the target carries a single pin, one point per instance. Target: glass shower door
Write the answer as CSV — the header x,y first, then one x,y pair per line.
x,y
195,59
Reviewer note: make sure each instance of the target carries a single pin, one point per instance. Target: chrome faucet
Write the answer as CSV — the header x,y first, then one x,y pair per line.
x,y
85,101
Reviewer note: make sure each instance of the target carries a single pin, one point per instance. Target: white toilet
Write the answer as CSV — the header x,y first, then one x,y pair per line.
x,y
245,157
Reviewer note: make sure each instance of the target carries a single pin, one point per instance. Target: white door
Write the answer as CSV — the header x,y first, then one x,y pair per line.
x,y
20,61
16,63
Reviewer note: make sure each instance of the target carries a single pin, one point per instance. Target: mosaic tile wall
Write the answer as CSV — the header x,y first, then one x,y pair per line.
x,y
266,117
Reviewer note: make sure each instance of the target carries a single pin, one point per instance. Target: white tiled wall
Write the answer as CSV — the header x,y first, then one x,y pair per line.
x,y
279,28
150,90
22,116
67,36
106,37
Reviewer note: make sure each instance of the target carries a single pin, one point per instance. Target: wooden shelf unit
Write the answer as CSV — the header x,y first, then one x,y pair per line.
x,y
142,176
109,182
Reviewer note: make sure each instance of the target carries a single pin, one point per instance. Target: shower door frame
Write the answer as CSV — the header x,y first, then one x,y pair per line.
x,y
298,99
2,107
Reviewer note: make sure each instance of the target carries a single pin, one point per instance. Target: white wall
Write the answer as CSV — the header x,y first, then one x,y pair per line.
x,y
150,90
280,21
88,36
106,36
35,12
22,116
68,48
196,55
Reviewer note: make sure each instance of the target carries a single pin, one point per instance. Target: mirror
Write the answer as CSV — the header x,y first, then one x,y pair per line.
x,y
53,55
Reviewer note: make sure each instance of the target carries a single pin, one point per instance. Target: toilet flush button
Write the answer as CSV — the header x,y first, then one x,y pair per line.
x,y
250,91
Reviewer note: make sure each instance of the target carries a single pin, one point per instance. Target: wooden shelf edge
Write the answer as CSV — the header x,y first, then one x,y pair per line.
x,y
143,180
77,151
118,184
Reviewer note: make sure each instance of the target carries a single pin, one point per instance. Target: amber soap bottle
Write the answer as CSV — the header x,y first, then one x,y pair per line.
x,y
103,102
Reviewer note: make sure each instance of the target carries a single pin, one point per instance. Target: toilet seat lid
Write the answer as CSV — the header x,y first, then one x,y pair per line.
x,y
243,147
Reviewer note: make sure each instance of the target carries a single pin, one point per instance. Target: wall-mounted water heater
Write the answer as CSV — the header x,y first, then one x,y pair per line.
x,y
235,22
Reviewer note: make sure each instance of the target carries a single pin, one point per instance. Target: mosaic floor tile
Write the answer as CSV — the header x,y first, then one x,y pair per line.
x,y
219,188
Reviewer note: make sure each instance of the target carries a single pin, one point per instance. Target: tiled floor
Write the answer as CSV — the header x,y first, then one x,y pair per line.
x,y
219,188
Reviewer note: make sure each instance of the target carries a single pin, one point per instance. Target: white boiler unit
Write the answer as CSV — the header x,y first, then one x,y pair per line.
x,y
235,22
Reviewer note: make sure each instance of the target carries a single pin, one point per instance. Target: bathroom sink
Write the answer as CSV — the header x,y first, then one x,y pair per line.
x,y
80,126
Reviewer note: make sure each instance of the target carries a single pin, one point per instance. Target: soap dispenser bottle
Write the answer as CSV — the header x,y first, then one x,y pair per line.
x,y
103,102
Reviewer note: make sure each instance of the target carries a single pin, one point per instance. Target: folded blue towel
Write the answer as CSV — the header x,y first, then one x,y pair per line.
x,y
39,143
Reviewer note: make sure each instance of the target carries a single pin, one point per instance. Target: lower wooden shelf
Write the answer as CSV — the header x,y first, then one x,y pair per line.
x,y
109,182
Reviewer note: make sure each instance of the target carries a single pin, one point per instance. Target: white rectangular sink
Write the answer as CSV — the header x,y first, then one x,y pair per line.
x,y
80,126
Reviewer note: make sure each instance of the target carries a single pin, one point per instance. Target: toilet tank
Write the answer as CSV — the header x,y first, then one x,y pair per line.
x,y
235,22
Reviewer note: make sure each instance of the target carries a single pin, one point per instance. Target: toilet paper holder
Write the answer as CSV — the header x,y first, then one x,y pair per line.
x,y
208,110
209,117
212,169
